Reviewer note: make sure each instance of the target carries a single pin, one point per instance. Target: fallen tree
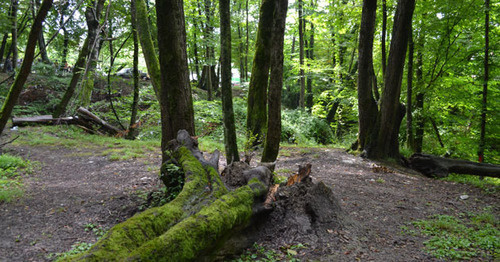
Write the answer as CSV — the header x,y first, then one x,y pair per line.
x,y
203,214
84,119
434,166
215,217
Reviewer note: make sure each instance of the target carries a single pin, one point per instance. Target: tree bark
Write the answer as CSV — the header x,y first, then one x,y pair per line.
x,y
382,41
387,145
484,104
419,99
310,57
367,106
13,44
148,49
78,69
135,102
227,96
410,143
25,70
41,39
273,135
175,92
434,166
257,91
93,17
301,56
2,46
192,225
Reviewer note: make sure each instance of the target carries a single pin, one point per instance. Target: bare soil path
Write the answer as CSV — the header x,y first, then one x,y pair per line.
x,y
75,189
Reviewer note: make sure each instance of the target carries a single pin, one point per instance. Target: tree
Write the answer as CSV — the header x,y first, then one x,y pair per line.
x,y
273,135
380,138
13,45
257,90
301,55
175,93
227,96
80,65
135,103
29,54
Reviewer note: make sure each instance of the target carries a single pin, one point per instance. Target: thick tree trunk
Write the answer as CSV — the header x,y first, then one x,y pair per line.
x,y
257,91
227,96
434,166
273,135
25,70
175,92
188,228
367,107
386,144
148,49
135,101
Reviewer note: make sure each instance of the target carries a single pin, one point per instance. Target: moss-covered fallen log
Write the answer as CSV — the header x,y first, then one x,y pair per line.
x,y
203,214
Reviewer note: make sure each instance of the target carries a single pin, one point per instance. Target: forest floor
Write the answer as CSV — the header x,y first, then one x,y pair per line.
x,y
76,194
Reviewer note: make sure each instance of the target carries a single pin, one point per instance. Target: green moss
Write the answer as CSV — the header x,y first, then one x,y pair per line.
x,y
201,232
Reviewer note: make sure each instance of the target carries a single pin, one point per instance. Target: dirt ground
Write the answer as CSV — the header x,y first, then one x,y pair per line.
x,y
73,190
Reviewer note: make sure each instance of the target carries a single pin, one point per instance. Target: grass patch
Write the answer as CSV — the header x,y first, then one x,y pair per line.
x,y
11,185
466,237
489,185
73,137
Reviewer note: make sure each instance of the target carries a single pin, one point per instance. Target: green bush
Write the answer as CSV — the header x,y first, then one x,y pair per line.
x,y
301,127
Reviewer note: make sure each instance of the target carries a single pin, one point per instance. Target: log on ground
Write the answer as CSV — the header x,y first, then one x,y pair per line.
x,y
200,218
434,166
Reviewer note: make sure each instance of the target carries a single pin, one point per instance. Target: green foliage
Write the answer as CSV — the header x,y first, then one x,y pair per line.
x,y
466,237
490,185
76,248
302,128
11,185
172,176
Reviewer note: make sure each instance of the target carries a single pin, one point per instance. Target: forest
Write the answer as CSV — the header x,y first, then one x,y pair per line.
x,y
249,130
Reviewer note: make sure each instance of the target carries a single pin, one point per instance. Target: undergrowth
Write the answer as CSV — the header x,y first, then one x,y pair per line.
x,y
489,185
11,184
465,237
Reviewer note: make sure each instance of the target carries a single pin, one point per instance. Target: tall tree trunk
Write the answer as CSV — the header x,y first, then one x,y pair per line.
x,y
367,107
387,144
29,54
409,91
13,44
148,48
195,50
78,70
301,56
273,135
175,92
257,91
41,39
64,59
309,95
247,42
2,46
135,102
93,17
484,107
232,154
419,98
384,32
